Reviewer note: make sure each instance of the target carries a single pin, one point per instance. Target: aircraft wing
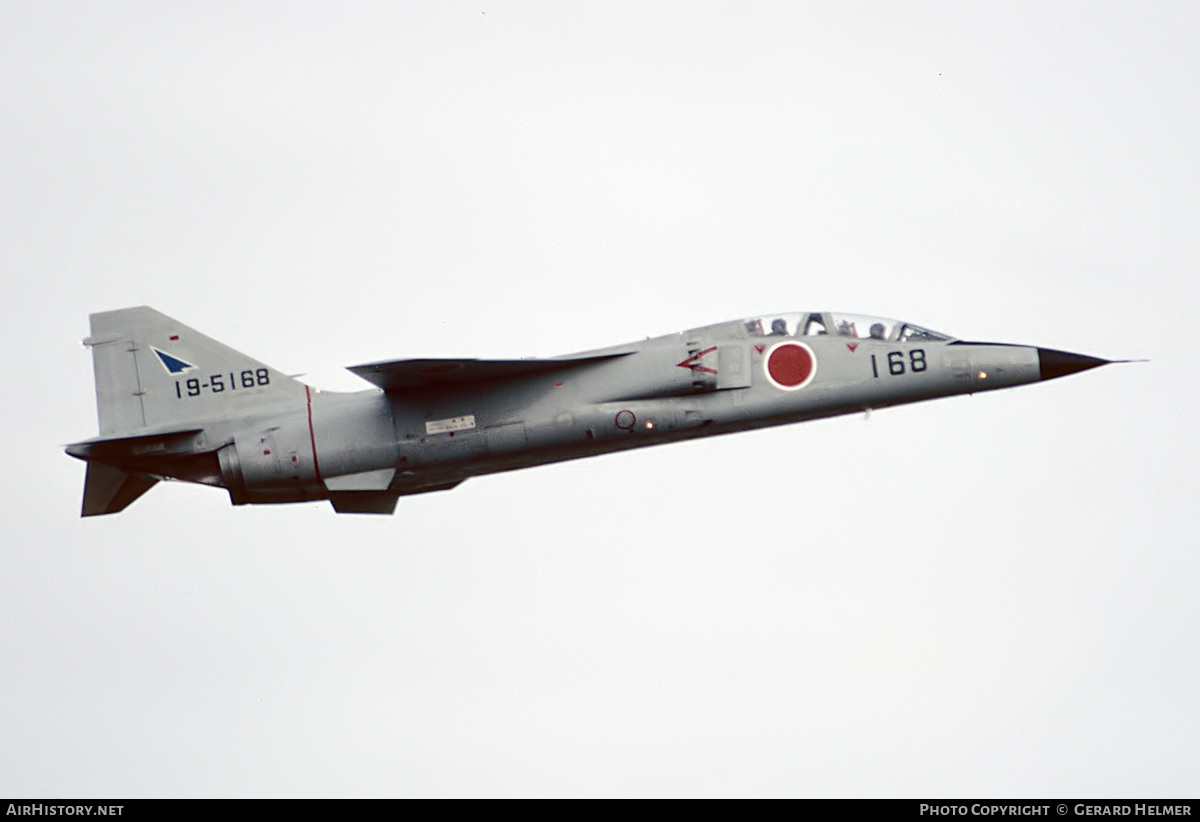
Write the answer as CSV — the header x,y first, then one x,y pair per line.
x,y
406,375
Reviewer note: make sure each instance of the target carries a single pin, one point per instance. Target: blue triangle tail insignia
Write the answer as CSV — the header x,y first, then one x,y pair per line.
x,y
172,364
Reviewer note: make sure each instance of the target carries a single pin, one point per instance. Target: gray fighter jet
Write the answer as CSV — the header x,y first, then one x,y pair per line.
x,y
175,404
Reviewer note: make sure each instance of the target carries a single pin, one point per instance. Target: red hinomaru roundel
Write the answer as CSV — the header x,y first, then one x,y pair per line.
x,y
790,365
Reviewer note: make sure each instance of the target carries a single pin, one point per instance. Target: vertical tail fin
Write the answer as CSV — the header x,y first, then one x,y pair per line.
x,y
159,386
153,372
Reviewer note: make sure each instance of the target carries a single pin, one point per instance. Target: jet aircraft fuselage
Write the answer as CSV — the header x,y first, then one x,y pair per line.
x,y
174,404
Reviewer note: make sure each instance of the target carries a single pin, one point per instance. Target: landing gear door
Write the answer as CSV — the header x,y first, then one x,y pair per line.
x,y
733,366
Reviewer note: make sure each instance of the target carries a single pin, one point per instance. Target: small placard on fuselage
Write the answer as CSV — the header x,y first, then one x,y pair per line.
x,y
446,426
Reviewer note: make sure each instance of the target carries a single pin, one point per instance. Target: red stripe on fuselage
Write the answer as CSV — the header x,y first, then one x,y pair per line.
x,y
312,437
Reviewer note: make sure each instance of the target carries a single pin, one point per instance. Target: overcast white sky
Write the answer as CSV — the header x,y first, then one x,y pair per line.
x,y
987,596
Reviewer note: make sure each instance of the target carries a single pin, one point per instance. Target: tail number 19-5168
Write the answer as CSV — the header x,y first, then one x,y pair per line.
x,y
216,383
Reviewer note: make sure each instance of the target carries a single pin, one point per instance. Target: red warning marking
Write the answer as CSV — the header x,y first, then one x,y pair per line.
x,y
791,365
174,338
852,346
693,362
759,348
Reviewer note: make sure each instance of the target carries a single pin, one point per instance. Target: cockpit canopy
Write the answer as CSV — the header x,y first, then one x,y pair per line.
x,y
859,326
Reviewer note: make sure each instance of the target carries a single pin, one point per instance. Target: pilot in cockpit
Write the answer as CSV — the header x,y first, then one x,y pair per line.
x,y
778,327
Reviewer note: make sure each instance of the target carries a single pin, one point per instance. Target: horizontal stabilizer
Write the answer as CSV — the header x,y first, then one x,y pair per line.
x,y
115,449
403,375
108,490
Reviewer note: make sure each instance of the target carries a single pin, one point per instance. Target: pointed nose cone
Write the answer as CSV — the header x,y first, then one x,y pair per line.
x,y
1060,363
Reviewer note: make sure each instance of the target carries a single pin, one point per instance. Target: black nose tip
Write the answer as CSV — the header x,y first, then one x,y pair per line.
x,y
1060,363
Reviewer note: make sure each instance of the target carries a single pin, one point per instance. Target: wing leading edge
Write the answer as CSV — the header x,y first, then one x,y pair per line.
x,y
407,375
